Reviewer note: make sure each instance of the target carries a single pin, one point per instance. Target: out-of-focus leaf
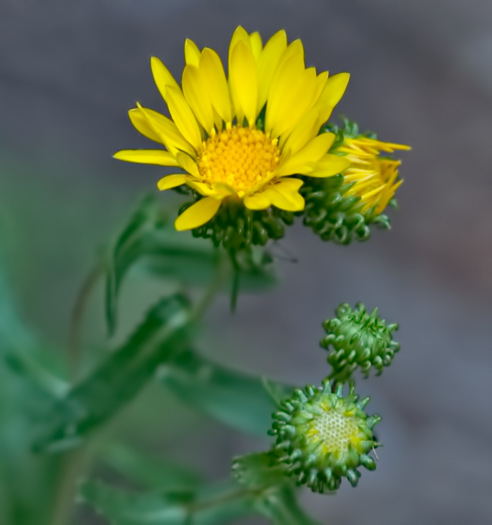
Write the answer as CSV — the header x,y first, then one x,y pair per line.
x,y
237,399
148,471
124,508
150,243
205,506
282,508
118,379
259,470
27,380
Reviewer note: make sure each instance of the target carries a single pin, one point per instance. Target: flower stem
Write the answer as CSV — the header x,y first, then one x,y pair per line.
x,y
213,289
235,280
77,317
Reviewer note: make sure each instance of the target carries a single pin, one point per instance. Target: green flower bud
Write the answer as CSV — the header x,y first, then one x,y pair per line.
x,y
322,437
335,215
358,339
343,207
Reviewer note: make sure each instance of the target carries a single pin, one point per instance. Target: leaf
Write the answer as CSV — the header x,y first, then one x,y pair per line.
x,y
27,381
282,508
259,470
118,379
205,506
150,243
232,397
123,508
151,472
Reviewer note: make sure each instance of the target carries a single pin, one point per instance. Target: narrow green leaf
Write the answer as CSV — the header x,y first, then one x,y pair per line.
x,y
259,470
150,244
118,379
124,508
151,472
120,256
27,381
206,506
234,398
282,508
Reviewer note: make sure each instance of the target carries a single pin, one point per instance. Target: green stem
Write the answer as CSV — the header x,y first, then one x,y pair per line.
x,y
235,280
213,289
218,500
76,320
72,462
71,466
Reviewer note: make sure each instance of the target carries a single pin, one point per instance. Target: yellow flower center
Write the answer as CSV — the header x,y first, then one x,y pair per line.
x,y
335,430
240,157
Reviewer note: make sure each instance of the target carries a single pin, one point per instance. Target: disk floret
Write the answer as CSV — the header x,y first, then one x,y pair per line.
x,y
322,436
355,339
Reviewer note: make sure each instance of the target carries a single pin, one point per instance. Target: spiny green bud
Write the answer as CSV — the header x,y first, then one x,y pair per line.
x,y
322,436
343,207
336,215
356,338
236,228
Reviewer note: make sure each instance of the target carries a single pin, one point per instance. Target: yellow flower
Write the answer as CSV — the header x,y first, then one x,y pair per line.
x,y
215,136
375,177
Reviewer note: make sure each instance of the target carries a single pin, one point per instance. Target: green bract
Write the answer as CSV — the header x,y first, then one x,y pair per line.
x,y
322,436
356,338
336,216
236,228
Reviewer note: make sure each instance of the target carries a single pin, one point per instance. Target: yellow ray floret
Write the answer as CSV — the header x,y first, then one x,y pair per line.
x,y
374,178
214,134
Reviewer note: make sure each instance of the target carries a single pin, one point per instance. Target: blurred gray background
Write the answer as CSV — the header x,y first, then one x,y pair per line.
x,y
421,75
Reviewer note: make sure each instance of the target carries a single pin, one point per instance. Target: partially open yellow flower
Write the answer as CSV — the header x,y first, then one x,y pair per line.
x,y
215,136
375,176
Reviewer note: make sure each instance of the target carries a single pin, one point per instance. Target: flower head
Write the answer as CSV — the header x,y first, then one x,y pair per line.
x,y
374,177
344,207
241,138
356,338
322,436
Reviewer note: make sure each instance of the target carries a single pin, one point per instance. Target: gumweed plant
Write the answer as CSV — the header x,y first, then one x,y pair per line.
x,y
249,152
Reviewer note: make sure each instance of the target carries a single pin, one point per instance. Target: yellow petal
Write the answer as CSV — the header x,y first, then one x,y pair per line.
x,y
240,35
332,93
188,164
161,127
306,129
197,214
146,156
267,64
256,44
201,187
291,96
217,190
214,78
285,195
197,97
243,80
321,80
293,49
183,116
140,123
330,165
162,76
191,52
257,201
171,181
305,159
